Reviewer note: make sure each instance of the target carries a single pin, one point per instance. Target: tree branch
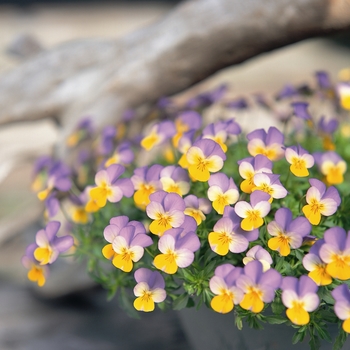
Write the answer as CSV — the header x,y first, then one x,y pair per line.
x,y
199,37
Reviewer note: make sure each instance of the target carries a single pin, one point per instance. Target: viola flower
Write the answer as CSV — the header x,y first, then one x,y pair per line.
x,y
248,167
288,233
166,210
123,155
106,142
159,133
300,160
223,285
258,287
323,80
270,184
146,181
127,242
177,246
57,178
260,254
287,91
269,144
186,121
197,207
52,205
332,166
335,252
251,235
343,90
37,273
78,207
341,295
320,201
149,289
219,132
225,238
253,213
300,110
326,129
222,192
40,172
316,266
83,130
49,246
300,297
110,187
184,144
175,179
205,157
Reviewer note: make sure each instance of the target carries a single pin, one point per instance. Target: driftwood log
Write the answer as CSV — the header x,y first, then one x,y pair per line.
x,y
199,37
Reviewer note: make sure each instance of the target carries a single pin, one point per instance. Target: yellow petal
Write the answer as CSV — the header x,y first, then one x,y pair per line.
x,y
166,263
346,325
108,252
144,304
320,276
298,315
252,301
36,274
200,173
222,303
43,255
220,242
279,244
338,269
312,215
150,141
123,262
158,227
247,185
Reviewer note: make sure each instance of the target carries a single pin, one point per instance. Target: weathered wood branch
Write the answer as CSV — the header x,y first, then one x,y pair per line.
x,y
196,39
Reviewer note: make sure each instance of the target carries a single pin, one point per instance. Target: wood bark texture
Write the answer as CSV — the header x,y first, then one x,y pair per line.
x,y
102,78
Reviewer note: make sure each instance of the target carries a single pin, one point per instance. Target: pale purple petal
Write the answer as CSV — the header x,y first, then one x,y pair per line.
x,y
62,244
126,187
184,258
51,229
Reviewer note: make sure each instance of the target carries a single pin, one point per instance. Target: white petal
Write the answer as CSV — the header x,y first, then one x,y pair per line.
x,y
242,208
288,297
214,192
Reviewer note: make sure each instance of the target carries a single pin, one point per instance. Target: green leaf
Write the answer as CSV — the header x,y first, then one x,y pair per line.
x,y
314,342
298,337
340,340
275,319
180,302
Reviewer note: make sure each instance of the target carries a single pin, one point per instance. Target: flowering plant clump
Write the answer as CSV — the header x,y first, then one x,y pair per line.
x,y
192,212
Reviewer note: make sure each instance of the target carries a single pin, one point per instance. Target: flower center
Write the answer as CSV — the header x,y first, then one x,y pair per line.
x,y
316,206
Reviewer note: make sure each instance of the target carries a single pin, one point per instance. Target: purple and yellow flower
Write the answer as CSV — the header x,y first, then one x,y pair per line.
x,y
332,166
205,157
105,144
269,144
254,212
300,110
260,254
166,210
177,246
223,285
184,144
323,80
258,287
300,160
37,273
175,179
146,181
57,178
316,266
186,121
123,155
109,187
225,237
248,167
159,133
83,130
219,132
341,295
300,297
335,252
343,90
222,192
49,246
320,201
270,184
127,241
197,207
149,289
326,129
288,233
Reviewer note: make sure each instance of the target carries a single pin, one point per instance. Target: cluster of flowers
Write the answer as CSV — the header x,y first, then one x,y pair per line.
x,y
188,231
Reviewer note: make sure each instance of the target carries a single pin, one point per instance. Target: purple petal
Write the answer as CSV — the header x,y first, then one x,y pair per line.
x,y
300,226
142,240
290,283
271,278
257,134
128,233
126,187
333,193
191,201
283,217
254,270
274,136
114,171
341,293
51,229
62,244
221,180
321,187
306,285
119,221
335,236
158,196
190,241
173,201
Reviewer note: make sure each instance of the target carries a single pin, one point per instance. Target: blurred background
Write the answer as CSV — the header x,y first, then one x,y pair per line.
x,y
63,316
